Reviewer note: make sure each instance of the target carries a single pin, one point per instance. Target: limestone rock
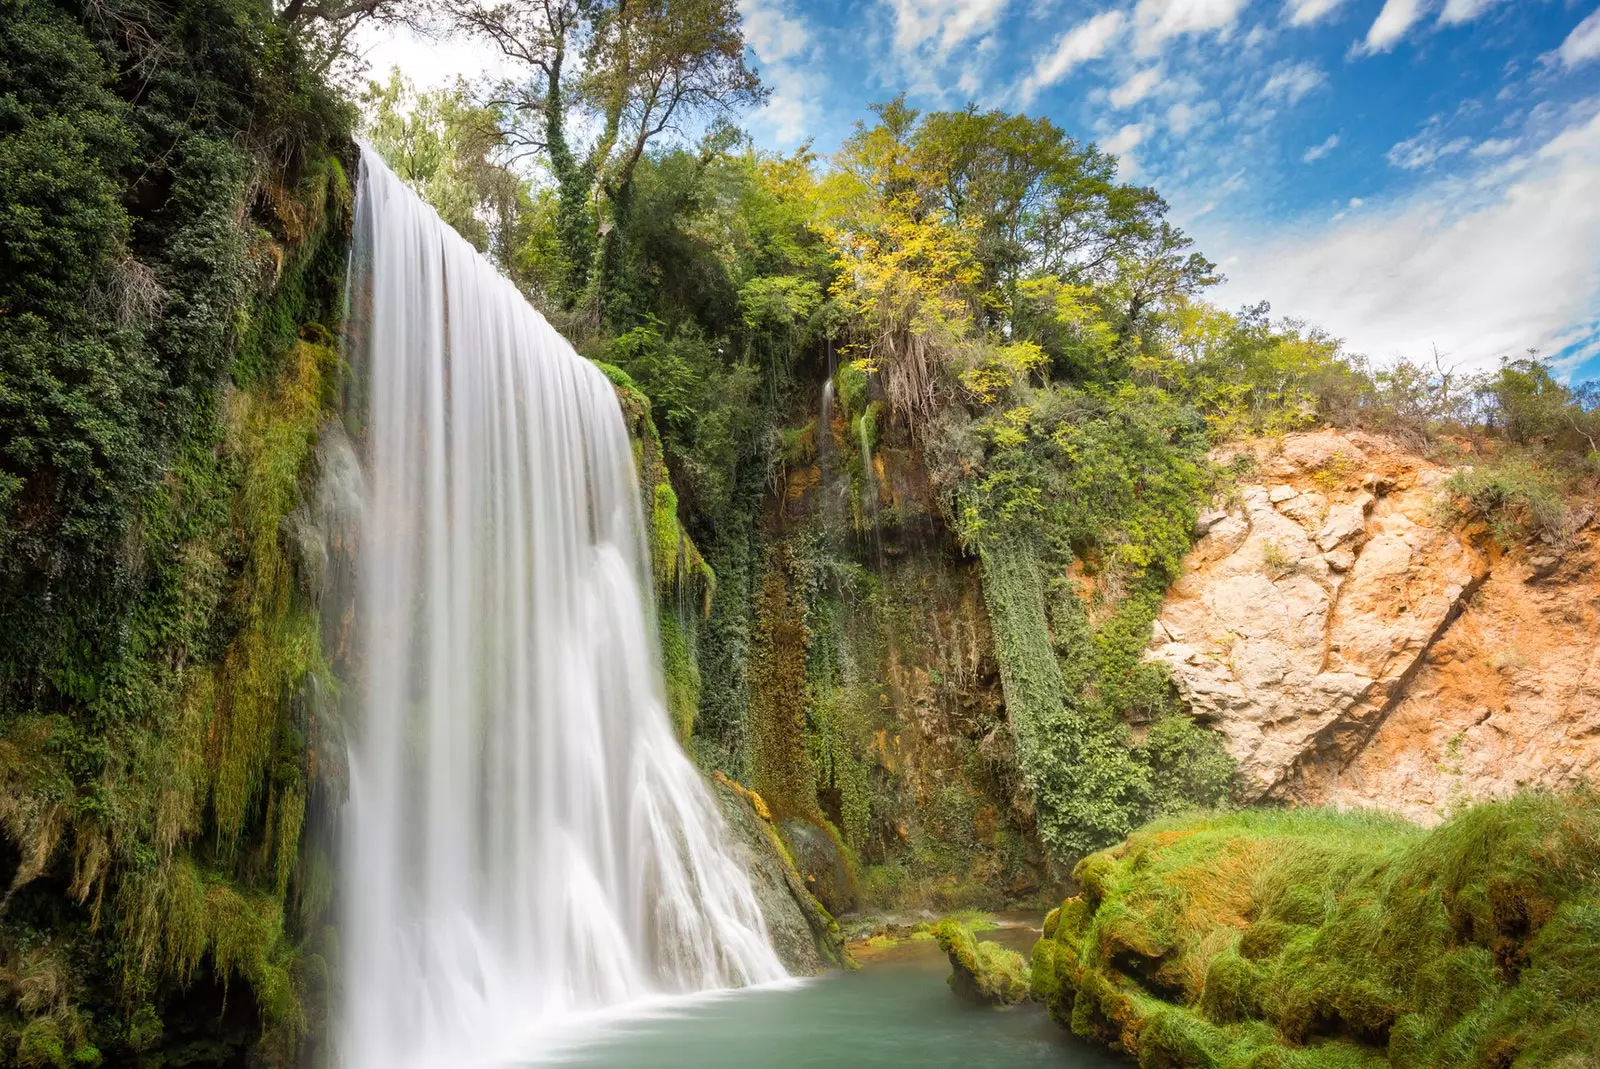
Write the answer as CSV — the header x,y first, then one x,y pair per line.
x,y
1294,626
1370,655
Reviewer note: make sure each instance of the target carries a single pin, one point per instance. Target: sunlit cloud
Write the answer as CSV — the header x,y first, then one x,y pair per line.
x,y
1088,41
1482,264
1583,43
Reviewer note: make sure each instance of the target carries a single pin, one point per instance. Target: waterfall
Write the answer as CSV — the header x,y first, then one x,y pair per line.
x,y
524,838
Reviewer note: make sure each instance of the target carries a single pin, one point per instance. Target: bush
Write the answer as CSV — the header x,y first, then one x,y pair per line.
x,y
1519,498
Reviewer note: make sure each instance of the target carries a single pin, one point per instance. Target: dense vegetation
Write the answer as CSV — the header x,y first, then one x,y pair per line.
x,y
987,298
1309,938
167,192
1023,380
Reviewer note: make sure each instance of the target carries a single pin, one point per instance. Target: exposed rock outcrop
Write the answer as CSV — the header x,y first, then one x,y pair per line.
x,y
1353,644
803,933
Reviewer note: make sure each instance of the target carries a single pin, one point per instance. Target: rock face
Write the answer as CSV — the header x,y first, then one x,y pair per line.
x,y
804,936
1354,646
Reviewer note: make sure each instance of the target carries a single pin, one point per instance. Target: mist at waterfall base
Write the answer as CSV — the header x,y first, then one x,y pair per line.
x,y
525,842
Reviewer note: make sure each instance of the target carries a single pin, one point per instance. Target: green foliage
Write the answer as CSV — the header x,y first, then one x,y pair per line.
x,y
1516,495
173,223
1323,939
447,149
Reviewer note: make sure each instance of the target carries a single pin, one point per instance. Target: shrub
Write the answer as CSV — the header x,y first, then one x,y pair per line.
x,y
1518,498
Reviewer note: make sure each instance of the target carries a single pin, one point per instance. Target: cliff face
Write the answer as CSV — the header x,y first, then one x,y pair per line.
x,y
1355,645
874,726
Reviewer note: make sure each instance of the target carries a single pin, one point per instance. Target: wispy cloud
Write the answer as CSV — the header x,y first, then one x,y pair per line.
x,y
1121,145
1494,148
1482,264
1583,43
1290,82
1459,11
939,26
1317,152
1393,23
1305,12
1398,17
1428,147
1136,88
1084,42
1157,20
772,33
782,44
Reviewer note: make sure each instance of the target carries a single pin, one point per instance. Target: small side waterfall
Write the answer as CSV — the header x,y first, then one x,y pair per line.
x,y
524,838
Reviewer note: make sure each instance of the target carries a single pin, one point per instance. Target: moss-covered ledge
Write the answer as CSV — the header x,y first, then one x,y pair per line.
x,y
1309,939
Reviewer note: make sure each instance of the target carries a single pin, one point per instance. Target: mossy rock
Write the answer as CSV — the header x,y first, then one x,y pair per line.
x,y
982,972
1310,939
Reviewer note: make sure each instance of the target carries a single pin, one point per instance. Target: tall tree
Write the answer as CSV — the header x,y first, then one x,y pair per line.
x,y
625,71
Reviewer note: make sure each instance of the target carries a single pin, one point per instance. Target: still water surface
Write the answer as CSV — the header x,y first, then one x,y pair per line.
x,y
895,1011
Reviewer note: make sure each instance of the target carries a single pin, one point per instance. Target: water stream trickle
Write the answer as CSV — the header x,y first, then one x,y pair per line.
x,y
524,839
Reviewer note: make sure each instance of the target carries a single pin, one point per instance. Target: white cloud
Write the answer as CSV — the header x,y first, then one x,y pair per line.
x,y
940,25
1184,116
1290,82
1305,12
1482,264
1494,148
771,32
1082,43
1583,43
1317,152
1393,22
1136,88
1121,145
782,43
1156,20
1427,148
1124,140
1458,11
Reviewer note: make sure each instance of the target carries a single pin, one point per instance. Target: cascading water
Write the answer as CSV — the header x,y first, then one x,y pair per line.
x,y
524,838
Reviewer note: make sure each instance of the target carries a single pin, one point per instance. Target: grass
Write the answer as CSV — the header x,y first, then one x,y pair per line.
x,y
1315,939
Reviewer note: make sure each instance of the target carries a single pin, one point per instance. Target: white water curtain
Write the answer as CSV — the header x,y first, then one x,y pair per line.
x,y
524,839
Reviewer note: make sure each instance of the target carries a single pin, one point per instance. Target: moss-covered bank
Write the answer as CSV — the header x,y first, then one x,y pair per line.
x,y
1317,939
174,210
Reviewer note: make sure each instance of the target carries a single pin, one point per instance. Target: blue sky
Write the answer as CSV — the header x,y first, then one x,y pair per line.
x,y
1409,174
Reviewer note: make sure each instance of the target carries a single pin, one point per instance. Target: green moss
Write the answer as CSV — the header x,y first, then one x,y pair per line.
x,y
1319,939
981,971
682,674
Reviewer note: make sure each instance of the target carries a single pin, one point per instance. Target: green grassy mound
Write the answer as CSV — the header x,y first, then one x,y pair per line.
x,y
1288,939
982,972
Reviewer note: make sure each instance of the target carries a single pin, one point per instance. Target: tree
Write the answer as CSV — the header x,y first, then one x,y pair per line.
x,y
449,150
632,70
